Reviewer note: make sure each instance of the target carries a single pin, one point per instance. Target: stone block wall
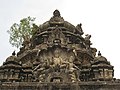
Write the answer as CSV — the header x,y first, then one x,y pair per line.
x,y
60,86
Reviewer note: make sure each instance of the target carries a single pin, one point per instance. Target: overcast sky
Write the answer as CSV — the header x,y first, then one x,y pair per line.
x,y
100,18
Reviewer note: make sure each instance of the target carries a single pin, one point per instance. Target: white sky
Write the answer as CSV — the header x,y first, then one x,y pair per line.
x,y
100,18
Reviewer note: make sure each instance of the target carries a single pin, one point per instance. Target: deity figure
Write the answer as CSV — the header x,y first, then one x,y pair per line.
x,y
56,64
73,70
87,41
57,60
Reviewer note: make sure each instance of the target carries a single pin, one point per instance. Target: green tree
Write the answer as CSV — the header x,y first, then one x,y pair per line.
x,y
21,32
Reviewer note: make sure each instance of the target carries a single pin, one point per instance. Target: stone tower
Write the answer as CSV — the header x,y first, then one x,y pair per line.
x,y
57,55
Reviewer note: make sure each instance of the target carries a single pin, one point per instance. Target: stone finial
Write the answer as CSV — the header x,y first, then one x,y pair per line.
x,y
13,53
56,13
99,53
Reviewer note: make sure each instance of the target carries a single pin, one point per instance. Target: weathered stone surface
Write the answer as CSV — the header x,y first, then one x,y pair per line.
x,y
57,57
103,85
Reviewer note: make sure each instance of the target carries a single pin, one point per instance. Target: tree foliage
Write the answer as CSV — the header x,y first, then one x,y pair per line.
x,y
21,32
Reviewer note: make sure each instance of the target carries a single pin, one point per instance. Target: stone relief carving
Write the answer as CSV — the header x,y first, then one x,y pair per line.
x,y
57,52
79,29
55,62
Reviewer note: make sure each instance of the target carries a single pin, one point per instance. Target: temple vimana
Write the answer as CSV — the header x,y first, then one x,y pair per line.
x,y
58,57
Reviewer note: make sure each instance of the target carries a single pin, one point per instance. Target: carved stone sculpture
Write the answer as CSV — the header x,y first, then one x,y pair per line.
x,y
57,52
